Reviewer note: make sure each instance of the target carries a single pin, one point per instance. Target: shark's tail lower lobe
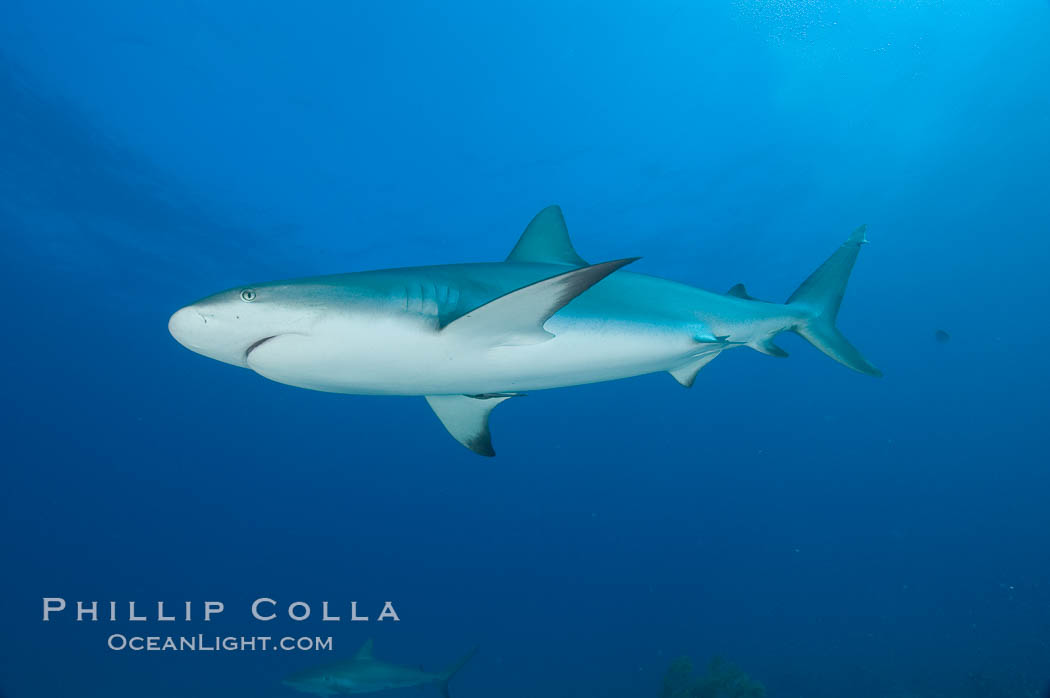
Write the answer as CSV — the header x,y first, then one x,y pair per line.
x,y
455,668
818,300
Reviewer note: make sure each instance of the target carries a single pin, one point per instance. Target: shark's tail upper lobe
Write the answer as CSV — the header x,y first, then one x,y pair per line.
x,y
818,300
453,669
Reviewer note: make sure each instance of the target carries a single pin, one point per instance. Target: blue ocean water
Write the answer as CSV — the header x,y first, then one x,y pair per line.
x,y
831,534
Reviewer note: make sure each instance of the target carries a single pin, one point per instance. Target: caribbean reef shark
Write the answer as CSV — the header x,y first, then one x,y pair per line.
x,y
366,674
469,336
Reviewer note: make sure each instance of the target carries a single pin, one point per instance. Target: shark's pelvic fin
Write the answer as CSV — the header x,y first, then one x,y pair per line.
x,y
820,296
546,240
517,318
365,653
686,373
740,292
452,671
466,417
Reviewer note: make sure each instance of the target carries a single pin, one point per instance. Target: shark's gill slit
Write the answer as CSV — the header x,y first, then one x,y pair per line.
x,y
256,345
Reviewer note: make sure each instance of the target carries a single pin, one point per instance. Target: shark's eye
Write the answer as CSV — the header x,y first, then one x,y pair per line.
x,y
248,295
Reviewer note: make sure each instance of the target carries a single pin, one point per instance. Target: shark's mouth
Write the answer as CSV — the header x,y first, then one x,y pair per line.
x,y
256,345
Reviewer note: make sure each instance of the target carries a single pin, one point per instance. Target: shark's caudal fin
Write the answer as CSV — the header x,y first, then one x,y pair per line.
x,y
452,671
819,298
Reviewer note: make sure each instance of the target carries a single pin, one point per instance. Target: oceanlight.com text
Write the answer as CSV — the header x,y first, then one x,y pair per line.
x,y
216,643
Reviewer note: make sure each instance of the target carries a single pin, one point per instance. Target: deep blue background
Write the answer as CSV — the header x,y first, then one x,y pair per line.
x,y
834,534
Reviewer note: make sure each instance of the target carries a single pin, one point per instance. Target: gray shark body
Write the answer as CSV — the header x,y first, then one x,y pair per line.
x,y
468,336
366,674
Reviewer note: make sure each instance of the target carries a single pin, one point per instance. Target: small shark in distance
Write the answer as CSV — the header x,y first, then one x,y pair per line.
x,y
469,336
366,674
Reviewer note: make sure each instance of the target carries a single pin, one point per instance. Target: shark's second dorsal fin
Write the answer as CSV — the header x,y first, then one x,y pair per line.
x,y
546,241
365,653
740,292
517,318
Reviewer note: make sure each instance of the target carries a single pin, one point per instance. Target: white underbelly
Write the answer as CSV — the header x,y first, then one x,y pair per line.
x,y
395,358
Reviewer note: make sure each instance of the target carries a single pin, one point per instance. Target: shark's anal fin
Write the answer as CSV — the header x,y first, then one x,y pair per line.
x,y
766,346
466,417
365,653
546,241
517,318
686,373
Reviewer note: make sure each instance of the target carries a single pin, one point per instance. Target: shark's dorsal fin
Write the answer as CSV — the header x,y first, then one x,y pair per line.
x,y
740,292
517,318
546,240
686,373
467,418
365,653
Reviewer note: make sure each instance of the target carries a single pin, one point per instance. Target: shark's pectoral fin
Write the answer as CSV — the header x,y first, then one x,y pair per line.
x,y
546,240
517,318
466,417
686,373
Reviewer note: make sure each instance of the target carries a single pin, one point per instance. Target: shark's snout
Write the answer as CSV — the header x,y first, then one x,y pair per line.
x,y
211,333
186,324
